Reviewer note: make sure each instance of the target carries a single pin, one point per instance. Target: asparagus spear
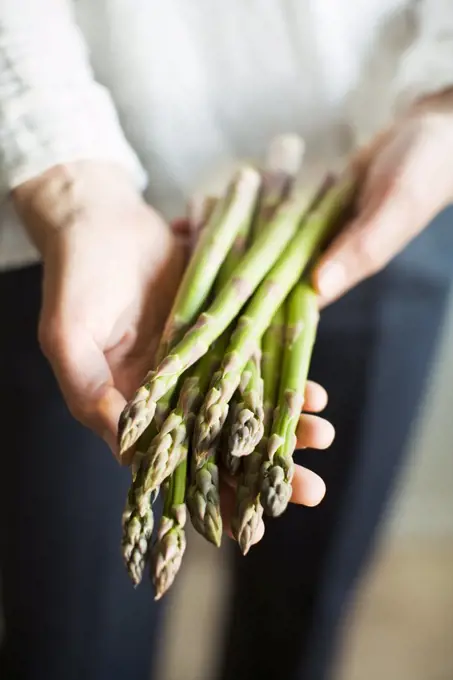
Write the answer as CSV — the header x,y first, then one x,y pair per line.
x,y
137,522
277,472
260,310
203,501
245,420
271,358
152,469
216,239
138,519
170,545
256,263
283,162
172,441
136,540
249,511
200,211
232,464
247,413
177,425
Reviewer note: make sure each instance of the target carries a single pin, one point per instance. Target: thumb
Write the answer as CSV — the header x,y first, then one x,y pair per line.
x,y
84,377
364,247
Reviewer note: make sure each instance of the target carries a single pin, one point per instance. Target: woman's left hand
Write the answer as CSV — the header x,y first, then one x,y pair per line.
x,y
407,180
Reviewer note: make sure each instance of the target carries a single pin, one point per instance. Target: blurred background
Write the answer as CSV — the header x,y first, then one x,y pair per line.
x,y
400,624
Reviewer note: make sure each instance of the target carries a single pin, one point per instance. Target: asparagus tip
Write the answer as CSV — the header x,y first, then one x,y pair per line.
x,y
285,154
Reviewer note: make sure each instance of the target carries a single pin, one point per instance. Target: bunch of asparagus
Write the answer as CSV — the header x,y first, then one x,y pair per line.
x,y
227,392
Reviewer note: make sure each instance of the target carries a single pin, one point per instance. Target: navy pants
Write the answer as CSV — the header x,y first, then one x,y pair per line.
x,y
70,612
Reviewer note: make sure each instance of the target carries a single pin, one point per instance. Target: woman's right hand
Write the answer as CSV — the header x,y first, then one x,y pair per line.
x,y
111,270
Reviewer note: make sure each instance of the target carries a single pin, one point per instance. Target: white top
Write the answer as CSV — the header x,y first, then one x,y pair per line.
x,y
178,91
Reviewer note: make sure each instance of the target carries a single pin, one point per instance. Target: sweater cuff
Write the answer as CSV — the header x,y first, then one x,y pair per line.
x,y
37,134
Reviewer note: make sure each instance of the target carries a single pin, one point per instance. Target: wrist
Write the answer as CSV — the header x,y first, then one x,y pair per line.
x,y
70,194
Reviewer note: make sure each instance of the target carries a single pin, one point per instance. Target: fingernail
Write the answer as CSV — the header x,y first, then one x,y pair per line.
x,y
330,279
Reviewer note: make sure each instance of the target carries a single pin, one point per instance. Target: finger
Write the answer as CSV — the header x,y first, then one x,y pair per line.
x,y
315,397
365,246
84,377
314,432
308,487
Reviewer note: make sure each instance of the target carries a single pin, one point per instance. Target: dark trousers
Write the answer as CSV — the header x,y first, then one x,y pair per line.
x,y
69,610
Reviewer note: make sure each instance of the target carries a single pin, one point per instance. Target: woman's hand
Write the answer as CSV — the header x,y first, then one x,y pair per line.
x,y
111,269
408,180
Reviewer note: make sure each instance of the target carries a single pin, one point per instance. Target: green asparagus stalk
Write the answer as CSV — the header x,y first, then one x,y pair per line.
x,y
283,162
245,419
271,359
214,243
136,537
138,518
137,521
154,467
249,511
247,413
177,426
215,240
203,498
172,442
278,470
199,212
253,267
141,447
232,464
260,310
170,545
203,501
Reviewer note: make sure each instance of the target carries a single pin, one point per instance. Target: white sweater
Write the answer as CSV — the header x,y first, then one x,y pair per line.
x,y
178,90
